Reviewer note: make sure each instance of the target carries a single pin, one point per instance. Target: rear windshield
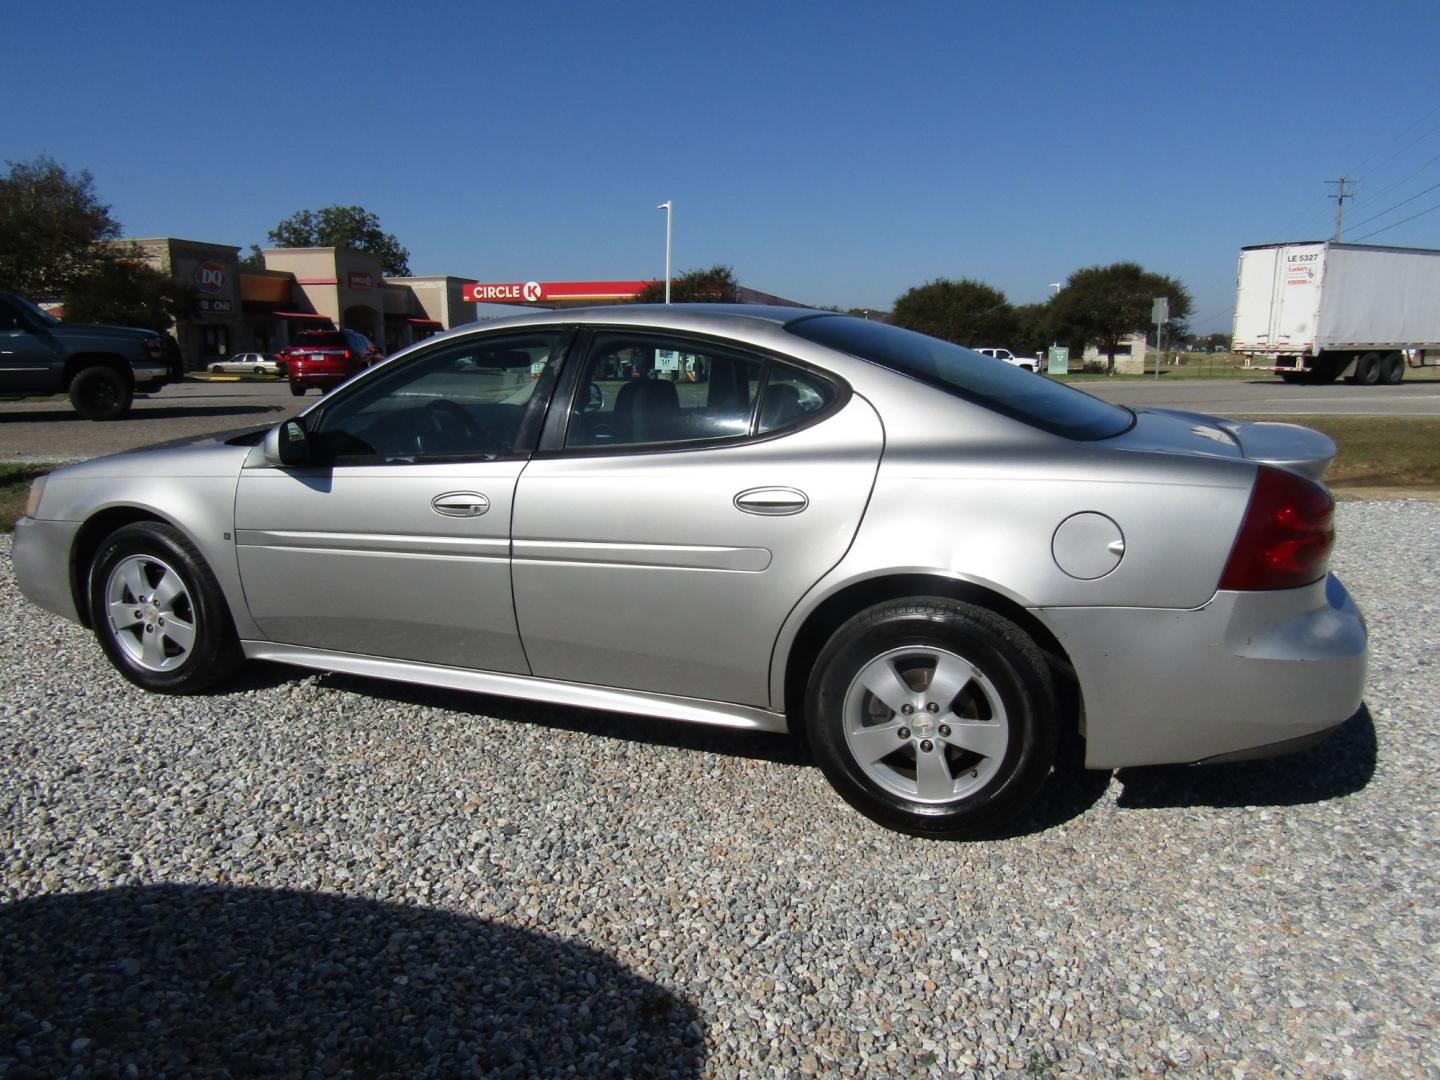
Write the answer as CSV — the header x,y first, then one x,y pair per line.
x,y
320,339
1017,393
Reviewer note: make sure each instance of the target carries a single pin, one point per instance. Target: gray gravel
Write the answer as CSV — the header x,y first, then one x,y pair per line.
x,y
321,875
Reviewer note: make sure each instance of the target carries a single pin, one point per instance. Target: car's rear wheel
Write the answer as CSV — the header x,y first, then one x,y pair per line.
x,y
159,612
932,716
101,393
297,390
216,369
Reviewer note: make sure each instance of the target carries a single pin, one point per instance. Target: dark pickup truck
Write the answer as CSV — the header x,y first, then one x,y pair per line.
x,y
100,367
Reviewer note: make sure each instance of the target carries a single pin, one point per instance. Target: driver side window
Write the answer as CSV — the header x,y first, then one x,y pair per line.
x,y
464,399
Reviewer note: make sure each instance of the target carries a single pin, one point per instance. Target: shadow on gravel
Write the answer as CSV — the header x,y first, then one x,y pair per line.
x,y
203,980
734,742
140,412
1341,765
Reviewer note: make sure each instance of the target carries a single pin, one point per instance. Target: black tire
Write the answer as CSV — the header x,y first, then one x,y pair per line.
x,y
1392,369
296,390
137,607
216,369
101,393
1367,369
1003,695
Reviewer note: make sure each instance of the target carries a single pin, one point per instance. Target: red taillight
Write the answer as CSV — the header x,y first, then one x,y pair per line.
x,y
1286,537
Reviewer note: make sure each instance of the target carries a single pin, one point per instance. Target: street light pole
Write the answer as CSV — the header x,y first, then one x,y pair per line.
x,y
667,208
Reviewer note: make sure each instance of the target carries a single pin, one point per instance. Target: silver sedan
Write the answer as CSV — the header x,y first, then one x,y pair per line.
x,y
933,565
252,363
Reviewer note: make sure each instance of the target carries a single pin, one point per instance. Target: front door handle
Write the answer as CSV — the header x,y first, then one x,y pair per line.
x,y
772,501
462,504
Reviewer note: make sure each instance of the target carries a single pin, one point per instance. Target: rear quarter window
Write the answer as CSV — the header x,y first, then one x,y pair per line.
x,y
1011,391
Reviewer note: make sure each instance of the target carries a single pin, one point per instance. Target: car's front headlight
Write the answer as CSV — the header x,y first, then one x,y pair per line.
x,y
37,492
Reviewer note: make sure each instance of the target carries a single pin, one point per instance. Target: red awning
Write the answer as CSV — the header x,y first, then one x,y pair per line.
x,y
424,322
300,315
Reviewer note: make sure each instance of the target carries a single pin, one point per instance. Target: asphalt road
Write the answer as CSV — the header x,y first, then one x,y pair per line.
x,y
1229,397
49,430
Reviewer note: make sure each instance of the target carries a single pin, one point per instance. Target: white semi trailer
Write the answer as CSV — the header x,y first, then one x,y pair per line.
x,y
1318,310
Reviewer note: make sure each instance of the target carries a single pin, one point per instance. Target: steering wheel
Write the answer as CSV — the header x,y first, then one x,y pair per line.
x,y
446,426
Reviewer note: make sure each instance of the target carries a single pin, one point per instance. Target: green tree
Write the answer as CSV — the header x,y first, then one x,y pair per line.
x,y
123,290
1033,330
717,285
343,226
966,312
51,228
1101,305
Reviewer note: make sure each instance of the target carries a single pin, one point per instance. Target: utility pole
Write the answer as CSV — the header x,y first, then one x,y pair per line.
x,y
1340,196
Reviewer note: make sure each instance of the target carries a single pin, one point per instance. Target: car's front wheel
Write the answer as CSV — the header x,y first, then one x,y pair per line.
x,y
101,393
158,611
932,716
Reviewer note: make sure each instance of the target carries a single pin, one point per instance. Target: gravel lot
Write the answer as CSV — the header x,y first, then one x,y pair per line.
x,y
322,875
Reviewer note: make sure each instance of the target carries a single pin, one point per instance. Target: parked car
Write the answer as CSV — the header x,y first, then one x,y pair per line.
x,y
1029,363
323,359
250,363
933,566
100,367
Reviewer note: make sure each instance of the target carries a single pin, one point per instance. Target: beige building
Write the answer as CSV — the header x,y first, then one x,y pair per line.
x,y
245,309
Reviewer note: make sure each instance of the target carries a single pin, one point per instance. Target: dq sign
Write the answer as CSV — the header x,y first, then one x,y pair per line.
x,y
210,277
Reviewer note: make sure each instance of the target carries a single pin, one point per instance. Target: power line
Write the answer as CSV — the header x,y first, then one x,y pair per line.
x,y
1397,224
1384,146
1404,179
1382,213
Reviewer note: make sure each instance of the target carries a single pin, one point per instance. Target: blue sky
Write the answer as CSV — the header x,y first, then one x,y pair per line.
x,y
833,153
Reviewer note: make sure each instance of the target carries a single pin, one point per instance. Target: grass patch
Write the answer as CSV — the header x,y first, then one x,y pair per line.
x,y
14,486
1378,451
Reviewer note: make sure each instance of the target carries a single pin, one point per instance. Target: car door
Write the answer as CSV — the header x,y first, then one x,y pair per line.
x,y
395,542
692,495
30,358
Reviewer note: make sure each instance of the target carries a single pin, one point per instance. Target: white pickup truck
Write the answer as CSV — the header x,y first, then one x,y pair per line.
x,y
1029,363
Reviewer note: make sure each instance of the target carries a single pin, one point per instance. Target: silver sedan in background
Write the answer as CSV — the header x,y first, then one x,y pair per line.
x,y
930,563
252,363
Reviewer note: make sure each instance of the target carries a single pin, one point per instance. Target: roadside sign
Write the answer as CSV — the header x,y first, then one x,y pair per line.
x,y
1058,361
1160,311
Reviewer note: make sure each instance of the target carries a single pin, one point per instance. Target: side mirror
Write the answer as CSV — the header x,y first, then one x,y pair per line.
x,y
594,399
288,444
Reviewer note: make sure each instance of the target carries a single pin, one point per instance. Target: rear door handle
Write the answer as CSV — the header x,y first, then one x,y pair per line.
x,y
461,504
772,501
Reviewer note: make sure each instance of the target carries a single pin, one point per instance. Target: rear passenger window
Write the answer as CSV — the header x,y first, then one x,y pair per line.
x,y
639,390
791,396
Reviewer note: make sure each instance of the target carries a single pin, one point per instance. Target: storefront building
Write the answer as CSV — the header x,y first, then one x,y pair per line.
x,y
243,308
249,309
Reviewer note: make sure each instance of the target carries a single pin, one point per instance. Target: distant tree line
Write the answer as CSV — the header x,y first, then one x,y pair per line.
x,y
1099,305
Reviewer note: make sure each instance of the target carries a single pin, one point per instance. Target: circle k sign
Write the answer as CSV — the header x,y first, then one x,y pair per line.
x,y
532,291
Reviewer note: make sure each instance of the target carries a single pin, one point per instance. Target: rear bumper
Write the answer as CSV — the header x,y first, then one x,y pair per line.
x,y
1248,674
323,378
41,554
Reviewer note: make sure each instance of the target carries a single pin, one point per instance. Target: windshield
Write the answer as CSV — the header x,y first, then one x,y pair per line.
x,y
1017,393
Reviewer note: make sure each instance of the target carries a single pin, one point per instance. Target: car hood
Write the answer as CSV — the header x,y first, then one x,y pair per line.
x,y
220,454
1289,446
112,333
